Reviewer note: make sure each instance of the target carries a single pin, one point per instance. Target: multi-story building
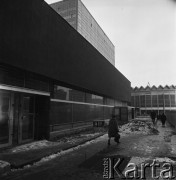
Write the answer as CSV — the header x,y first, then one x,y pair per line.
x,y
50,82
77,15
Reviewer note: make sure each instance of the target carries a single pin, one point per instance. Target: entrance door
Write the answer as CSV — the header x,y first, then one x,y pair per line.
x,y
24,115
5,118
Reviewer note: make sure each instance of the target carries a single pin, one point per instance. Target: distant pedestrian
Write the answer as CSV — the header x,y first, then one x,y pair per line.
x,y
153,116
113,130
163,119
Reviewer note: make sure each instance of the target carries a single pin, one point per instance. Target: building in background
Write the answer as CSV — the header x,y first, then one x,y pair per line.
x,y
77,15
159,99
50,76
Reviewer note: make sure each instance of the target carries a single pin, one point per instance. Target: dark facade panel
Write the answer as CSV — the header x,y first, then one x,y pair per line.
x,y
35,38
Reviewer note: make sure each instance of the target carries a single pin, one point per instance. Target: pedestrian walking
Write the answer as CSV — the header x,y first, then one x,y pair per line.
x,y
153,116
113,130
163,119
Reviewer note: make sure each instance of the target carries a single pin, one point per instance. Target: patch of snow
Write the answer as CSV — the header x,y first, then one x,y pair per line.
x,y
46,143
61,153
4,164
33,145
165,159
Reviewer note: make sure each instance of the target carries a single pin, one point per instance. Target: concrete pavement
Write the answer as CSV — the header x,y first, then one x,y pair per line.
x,y
86,161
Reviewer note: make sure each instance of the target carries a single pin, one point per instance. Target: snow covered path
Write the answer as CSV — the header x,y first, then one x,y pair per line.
x,y
139,141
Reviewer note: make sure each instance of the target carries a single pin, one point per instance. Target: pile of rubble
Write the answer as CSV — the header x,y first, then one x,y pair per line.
x,y
137,127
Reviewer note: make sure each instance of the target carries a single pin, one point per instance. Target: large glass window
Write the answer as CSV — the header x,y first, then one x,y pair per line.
x,y
136,101
119,103
148,100
161,100
60,113
110,102
67,114
78,96
166,100
154,101
97,99
142,99
62,93
173,103
132,101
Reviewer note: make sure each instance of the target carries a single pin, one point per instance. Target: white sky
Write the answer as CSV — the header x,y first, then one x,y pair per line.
x,y
144,35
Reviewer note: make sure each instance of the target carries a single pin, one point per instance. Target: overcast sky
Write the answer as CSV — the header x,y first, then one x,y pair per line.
x,y
144,35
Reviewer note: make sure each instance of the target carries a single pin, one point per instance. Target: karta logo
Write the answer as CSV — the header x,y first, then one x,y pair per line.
x,y
112,169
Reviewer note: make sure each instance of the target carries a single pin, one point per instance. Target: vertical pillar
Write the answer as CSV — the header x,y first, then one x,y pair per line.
x,y
157,103
164,103
151,100
170,100
72,114
145,103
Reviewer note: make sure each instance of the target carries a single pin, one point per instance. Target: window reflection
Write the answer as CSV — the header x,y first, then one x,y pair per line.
x,y
4,117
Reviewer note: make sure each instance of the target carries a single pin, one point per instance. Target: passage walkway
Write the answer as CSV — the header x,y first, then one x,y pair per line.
x,y
86,162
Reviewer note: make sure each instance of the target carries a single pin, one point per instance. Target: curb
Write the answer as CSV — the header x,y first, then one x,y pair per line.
x,y
9,166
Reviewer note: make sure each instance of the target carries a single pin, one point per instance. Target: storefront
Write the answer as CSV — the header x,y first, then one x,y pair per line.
x,y
51,78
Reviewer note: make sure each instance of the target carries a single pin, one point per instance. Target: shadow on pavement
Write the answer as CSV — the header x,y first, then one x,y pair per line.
x,y
100,162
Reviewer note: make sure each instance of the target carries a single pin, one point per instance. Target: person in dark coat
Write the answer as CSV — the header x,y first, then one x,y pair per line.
x,y
113,130
153,116
163,119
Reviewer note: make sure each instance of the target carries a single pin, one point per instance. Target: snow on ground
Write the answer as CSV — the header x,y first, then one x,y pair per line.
x,y
33,145
133,127
61,153
4,164
165,159
78,137
45,143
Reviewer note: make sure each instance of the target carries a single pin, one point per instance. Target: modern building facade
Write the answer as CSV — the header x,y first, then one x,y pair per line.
x,y
159,99
51,78
77,15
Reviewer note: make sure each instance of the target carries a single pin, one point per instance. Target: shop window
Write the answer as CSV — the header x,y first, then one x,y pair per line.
x,y
142,99
173,103
148,100
62,93
160,100
78,96
132,101
136,101
166,100
154,101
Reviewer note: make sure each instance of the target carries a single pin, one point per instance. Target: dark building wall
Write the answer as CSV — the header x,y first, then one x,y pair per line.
x,y
35,38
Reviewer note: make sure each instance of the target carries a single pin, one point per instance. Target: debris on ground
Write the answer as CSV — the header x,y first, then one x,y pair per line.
x,y
138,127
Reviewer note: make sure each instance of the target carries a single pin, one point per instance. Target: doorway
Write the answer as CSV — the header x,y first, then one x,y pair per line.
x,y
23,118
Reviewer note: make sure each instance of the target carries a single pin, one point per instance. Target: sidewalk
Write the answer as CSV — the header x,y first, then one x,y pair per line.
x,y
138,141
28,154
